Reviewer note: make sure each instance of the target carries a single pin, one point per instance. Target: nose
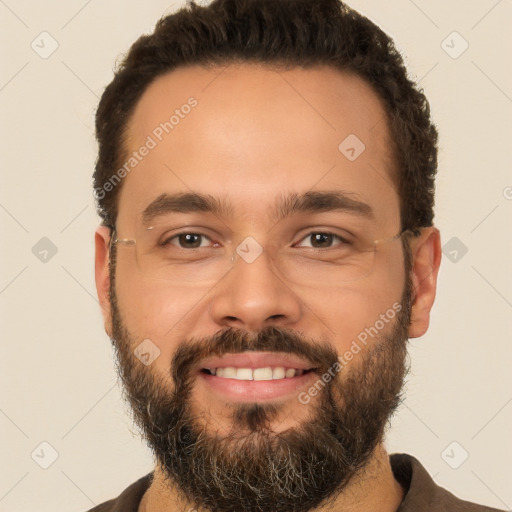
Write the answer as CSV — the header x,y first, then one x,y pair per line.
x,y
252,296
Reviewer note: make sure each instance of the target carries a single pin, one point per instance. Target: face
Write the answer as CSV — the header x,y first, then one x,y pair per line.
x,y
278,271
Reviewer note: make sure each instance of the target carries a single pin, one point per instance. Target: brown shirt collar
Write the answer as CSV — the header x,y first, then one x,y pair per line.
x,y
422,493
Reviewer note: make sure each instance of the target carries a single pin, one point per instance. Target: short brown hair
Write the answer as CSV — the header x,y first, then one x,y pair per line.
x,y
292,33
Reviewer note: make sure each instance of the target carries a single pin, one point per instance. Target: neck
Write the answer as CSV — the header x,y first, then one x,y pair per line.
x,y
373,490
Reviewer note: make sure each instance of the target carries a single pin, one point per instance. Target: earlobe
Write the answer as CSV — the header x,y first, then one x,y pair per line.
x,y
426,254
102,274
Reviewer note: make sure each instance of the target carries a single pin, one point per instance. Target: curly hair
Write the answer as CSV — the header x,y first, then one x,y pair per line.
x,y
288,33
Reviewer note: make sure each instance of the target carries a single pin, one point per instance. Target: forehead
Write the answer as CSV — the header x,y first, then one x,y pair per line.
x,y
250,133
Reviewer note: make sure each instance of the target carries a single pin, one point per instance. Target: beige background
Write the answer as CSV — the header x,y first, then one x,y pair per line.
x,y
57,372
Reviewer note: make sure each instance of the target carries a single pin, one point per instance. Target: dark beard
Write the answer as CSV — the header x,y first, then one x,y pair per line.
x,y
253,468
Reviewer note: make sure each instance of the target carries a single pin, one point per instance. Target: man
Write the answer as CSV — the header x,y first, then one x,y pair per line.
x,y
265,179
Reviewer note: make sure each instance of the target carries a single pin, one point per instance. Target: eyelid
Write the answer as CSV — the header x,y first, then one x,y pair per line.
x,y
339,231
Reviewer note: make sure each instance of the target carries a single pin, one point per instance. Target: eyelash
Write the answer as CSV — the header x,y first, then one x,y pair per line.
x,y
167,241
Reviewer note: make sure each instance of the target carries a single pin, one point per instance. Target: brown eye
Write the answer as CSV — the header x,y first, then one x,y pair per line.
x,y
190,240
320,240
324,240
186,240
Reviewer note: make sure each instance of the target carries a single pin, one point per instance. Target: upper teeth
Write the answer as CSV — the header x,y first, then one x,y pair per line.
x,y
267,373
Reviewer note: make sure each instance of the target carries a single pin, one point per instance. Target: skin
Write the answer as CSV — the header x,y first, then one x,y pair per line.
x,y
256,133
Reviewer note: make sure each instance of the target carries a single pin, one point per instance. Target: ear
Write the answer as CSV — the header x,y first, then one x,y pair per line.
x,y
426,254
102,274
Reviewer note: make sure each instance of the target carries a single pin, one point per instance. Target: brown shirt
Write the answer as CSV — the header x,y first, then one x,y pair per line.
x,y
422,493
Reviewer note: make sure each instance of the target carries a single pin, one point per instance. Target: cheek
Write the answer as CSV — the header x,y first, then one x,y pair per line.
x,y
155,309
352,308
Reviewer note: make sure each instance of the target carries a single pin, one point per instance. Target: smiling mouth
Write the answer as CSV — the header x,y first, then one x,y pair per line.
x,y
256,374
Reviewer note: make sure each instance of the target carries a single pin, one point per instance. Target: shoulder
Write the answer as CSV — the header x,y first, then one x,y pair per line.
x,y
129,499
422,493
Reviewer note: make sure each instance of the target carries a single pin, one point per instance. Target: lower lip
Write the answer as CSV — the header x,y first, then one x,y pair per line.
x,y
256,390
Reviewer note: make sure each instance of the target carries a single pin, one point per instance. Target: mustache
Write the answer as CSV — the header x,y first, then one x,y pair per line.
x,y
188,355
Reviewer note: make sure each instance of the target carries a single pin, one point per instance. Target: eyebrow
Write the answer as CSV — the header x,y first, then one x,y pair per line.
x,y
285,206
